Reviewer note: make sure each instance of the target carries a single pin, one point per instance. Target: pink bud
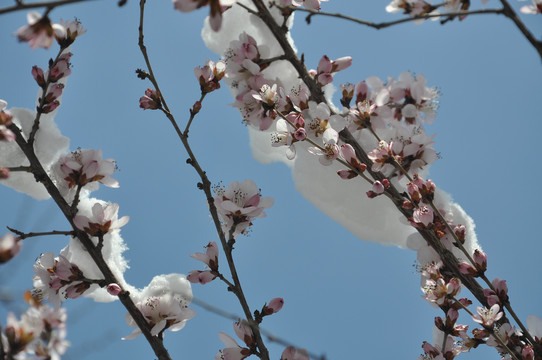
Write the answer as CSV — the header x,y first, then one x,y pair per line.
x,y
37,73
451,316
274,306
527,353
378,187
324,65
244,332
5,118
4,173
480,258
300,134
386,183
347,174
501,289
151,100
6,134
439,323
114,289
9,247
460,231
196,108
341,63
467,269
50,107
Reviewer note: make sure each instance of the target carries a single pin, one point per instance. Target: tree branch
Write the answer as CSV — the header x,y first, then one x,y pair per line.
x,y
205,185
41,176
45,4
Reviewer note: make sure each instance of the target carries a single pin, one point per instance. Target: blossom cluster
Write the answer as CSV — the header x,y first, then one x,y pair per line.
x,y
40,332
239,204
57,279
74,273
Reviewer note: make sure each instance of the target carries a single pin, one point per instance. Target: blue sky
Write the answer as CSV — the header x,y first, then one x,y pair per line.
x,y
344,297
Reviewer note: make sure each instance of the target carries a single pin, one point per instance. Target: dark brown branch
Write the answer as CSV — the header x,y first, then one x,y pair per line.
x,y
450,261
41,176
205,185
512,15
44,4
20,168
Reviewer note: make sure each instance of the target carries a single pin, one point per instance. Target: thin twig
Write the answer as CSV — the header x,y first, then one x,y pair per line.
x,y
21,235
44,4
386,24
20,168
270,336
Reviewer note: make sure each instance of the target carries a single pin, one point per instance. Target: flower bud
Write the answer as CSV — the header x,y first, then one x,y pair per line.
x,y
300,134
37,73
480,259
274,306
114,289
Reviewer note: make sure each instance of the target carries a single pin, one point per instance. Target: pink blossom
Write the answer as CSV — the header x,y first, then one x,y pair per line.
x,y
39,32
210,258
313,4
239,204
232,351
330,150
488,317
244,332
500,293
209,75
61,68
201,277
217,8
5,120
382,157
73,29
57,279
163,312
535,8
284,136
438,290
152,100
82,167
10,246
291,353
326,68
104,220
423,215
